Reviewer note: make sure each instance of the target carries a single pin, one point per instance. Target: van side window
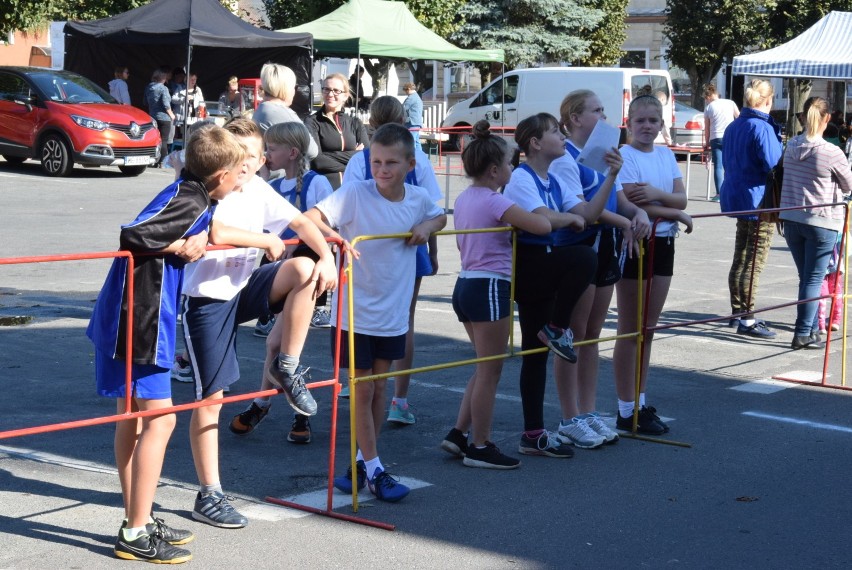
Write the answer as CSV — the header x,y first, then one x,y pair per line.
x,y
494,95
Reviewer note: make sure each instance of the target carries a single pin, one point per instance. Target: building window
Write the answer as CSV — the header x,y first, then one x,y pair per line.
x,y
634,58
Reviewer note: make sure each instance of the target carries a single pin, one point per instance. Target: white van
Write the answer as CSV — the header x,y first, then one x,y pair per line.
x,y
521,93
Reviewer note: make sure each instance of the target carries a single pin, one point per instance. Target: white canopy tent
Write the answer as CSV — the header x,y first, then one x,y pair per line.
x,y
822,51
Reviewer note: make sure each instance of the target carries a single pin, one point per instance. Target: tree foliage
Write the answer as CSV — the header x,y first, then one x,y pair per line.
x,y
608,36
531,32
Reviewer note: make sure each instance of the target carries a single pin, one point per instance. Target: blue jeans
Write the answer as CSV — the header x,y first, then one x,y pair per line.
x,y
718,169
415,134
811,248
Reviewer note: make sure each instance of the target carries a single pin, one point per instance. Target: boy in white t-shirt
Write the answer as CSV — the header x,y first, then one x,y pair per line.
x,y
224,290
383,281
718,114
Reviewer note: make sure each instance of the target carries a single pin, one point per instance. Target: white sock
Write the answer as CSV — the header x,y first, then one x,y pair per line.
x,y
747,322
625,408
400,402
263,403
373,465
131,534
359,456
641,399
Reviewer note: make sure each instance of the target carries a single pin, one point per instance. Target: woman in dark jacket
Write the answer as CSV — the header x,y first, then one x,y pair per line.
x,y
338,135
752,148
159,102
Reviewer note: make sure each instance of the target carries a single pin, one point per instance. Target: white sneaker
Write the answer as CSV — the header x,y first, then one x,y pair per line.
x,y
603,430
321,318
579,434
182,370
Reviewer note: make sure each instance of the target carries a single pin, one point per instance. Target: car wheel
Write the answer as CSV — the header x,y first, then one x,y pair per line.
x,y
55,157
14,159
132,170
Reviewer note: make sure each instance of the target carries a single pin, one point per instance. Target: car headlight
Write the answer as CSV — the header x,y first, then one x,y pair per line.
x,y
89,123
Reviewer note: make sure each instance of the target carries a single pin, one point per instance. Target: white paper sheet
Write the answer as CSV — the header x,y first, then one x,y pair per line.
x,y
603,138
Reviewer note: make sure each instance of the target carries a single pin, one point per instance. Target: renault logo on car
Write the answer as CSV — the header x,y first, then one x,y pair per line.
x,y
134,129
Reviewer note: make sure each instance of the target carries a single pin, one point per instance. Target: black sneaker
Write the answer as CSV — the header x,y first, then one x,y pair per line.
x,y
653,411
758,330
297,394
546,444
173,536
455,443
301,430
647,424
489,457
215,509
812,342
149,548
245,422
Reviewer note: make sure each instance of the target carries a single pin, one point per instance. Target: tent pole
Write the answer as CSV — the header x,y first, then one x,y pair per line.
x,y
186,96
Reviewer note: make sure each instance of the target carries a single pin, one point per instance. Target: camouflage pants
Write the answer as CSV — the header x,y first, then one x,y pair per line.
x,y
742,285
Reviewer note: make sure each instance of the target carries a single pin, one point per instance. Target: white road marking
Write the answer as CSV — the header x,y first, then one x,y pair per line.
x,y
318,499
802,375
800,422
762,386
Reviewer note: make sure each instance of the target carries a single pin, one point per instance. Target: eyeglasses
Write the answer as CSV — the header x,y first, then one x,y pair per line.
x,y
330,91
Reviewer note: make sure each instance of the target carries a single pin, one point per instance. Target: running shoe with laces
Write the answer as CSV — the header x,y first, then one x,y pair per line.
x,y
757,330
321,319
653,411
173,536
546,444
401,415
149,548
489,457
245,422
455,443
182,370
580,434
344,391
300,431
560,341
647,424
262,329
386,487
293,385
344,483
595,422
215,509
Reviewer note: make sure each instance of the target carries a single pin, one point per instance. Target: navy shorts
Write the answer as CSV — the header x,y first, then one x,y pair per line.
x,y
368,349
664,251
608,250
210,330
148,382
424,264
481,299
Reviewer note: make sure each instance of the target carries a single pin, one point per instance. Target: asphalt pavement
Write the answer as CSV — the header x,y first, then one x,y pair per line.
x,y
759,482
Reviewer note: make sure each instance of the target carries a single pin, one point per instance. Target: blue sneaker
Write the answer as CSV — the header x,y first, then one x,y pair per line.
x,y
386,488
560,341
757,330
344,483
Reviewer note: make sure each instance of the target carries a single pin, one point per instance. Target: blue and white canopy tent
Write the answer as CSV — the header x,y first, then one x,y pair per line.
x,y
822,51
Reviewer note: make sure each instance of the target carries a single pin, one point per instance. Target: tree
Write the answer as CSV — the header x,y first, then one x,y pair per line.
x,y
706,33
608,36
531,32
289,13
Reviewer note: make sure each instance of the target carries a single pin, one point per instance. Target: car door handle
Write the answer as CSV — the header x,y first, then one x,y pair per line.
x,y
512,109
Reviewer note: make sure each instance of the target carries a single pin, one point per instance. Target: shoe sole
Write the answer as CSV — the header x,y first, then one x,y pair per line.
x,y
249,430
183,379
387,499
643,431
452,448
546,341
402,421
201,518
260,334
298,439
542,453
468,462
753,334
129,556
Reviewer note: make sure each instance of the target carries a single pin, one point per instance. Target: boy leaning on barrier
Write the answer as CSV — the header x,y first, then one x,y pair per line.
x,y
171,230
383,281
225,290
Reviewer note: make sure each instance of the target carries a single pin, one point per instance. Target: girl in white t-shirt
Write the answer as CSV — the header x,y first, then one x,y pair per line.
x,y
652,180
481,295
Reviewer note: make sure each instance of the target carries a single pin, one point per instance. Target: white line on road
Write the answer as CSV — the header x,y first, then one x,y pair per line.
x,y
797,421
762,386
318,499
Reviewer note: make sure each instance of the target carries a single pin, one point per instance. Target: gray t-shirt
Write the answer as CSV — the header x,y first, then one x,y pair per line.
x,y
268,114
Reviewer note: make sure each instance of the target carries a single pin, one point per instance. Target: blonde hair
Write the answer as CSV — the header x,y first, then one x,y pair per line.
x,y
340,77
758,92
815,110
243,127
294,135
408,86
278,81
212,150
573,104
645,101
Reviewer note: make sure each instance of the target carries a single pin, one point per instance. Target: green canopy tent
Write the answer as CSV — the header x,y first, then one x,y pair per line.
x,y
380,28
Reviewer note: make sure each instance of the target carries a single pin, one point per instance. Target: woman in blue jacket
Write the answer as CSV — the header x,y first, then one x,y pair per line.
x,y
752,148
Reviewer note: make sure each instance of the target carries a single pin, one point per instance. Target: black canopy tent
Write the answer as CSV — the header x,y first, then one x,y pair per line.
x,y
201,35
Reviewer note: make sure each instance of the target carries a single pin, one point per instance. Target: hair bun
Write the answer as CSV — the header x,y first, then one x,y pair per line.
x,y
482,129
645,91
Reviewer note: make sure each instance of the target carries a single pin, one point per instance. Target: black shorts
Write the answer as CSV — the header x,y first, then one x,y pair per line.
x,y
368,349
481,299
607,244
664,251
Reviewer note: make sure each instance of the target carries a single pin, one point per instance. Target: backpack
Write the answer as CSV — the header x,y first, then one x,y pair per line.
x,y
772,196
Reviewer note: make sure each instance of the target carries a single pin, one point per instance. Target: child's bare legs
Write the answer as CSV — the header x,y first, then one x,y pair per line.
x,y
293,284
146,459
126,437
402,381
370,408
587,363
204,440
489,339
564,372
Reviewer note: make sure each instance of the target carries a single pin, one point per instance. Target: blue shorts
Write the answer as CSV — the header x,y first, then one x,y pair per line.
x,y
368,349
149,382
424,264
481,299
210,330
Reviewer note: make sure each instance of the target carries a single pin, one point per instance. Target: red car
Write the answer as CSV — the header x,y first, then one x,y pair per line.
x,y
62,118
